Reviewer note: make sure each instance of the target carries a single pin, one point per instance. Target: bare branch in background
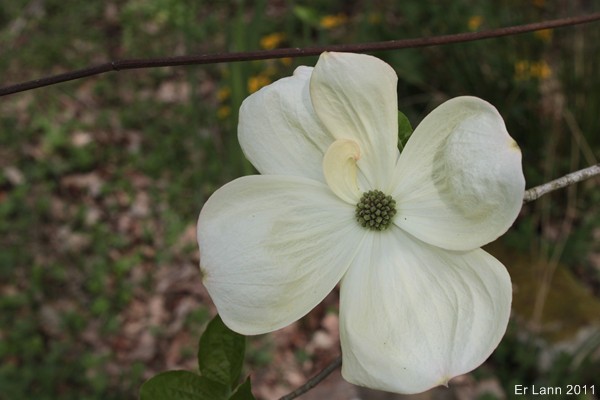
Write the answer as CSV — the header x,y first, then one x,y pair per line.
x,y
569,179
294,52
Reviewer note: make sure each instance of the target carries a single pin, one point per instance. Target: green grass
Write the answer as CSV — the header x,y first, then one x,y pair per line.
x,y
111,170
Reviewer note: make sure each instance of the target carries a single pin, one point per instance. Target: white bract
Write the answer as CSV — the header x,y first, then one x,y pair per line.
x,y
420,301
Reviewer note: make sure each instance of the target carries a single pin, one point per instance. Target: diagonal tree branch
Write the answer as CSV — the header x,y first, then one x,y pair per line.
x,y
569,179
124,64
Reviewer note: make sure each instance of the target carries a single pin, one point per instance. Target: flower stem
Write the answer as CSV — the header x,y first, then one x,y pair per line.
x,y
315,380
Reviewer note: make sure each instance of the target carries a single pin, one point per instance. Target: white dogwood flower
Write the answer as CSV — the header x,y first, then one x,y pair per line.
x,y
336,202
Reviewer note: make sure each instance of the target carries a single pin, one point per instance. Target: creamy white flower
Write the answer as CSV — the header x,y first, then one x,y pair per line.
x,y
420,301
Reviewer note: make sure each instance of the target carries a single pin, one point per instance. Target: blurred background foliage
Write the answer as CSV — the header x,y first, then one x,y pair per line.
x,y
102,179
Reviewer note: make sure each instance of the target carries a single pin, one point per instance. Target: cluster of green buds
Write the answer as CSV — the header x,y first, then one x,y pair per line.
x,y
375,210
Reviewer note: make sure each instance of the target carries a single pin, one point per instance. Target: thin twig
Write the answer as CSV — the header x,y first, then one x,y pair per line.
x,y
315,380
569,179
124,64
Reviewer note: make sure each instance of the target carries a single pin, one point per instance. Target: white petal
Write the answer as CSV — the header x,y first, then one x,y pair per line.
x,y
272,247
279,131
412,316
459,181
355,97
339,168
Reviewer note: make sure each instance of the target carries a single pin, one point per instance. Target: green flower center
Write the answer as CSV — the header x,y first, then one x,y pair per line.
x,y
375,210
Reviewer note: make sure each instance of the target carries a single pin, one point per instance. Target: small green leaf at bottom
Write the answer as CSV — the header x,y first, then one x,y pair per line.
x,y
221,353
243,392
182,385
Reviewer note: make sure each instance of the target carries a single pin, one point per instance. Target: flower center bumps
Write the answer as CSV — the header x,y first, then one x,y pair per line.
x,y
375,210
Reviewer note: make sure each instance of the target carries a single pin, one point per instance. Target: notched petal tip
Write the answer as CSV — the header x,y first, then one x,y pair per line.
x,y
203,274
514,146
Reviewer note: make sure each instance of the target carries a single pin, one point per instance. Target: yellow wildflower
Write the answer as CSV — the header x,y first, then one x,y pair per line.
x,y
287,61
521,70
333,21
545,35
256,82
223,112
475,22
223,94
540,70
527,70
272,40
270,70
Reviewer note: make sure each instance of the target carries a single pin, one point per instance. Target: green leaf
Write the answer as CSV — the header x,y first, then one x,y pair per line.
x,y
243,392
404,130
182,385
221,353
307,15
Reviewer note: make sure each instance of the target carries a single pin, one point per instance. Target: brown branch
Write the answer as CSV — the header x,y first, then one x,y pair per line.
x,y
124,64
569,179
315,380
